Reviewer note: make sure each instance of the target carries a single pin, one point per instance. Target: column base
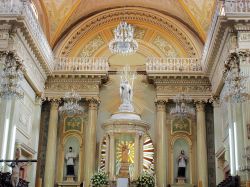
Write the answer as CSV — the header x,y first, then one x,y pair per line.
x,y
182,185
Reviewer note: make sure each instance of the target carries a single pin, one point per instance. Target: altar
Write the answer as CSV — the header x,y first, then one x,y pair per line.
x,y
124,136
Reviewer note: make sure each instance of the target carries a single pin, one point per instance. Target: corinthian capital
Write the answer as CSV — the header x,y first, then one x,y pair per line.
x,y
200,106
160,104
93,102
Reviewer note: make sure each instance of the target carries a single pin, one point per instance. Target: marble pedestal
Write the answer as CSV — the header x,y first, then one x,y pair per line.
x,y
68,184
182,185
124,170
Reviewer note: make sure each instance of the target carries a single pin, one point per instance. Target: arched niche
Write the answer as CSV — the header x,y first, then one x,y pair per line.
x,y
178,143
74,140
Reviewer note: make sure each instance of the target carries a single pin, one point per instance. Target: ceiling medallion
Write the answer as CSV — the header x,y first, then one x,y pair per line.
x,y
123,42
181,109
71,105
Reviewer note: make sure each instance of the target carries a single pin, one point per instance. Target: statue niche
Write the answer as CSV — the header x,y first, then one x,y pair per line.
x,y
71,157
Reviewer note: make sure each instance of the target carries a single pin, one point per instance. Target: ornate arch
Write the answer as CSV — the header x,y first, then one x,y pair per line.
x,y
157,24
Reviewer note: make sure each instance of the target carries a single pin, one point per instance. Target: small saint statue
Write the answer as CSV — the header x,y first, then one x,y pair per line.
x,y
70,157
182,164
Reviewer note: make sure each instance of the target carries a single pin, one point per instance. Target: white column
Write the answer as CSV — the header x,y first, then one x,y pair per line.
x,y
90,141
137,156
112,156
49,175
141,154
5,114
161,144
201,145
231,139
218,139
35,138
11,140
107,154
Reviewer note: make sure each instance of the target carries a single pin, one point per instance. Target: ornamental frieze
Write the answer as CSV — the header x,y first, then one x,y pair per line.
x,y
188,89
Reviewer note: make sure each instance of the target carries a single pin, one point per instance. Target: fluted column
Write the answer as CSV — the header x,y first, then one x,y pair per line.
x,y
201,145
111,156
161,144
49,176
90,141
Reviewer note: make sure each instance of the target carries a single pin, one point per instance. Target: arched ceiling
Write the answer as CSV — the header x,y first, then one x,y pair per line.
x,y
60,15
158,35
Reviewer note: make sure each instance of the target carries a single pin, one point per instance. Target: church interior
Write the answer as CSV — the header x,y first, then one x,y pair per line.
x,y
124,93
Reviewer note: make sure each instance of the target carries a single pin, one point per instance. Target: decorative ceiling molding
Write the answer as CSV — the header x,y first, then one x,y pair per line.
x,y
197,24
154,20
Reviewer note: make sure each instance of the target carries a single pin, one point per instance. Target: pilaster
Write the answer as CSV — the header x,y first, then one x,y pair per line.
x,y
90,139
161,144
49,178
201,145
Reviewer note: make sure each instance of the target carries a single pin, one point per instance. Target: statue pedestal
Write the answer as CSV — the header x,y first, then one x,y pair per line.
x,y
181,180
182,185
131,125
70,178
69,184
124,170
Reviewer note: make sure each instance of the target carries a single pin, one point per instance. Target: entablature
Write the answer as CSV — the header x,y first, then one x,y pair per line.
x,y
199,88
87,86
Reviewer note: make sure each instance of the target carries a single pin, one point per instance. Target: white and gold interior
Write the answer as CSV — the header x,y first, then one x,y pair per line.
x,y
47,31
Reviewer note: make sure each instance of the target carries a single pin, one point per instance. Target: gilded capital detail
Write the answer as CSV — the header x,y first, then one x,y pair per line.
x,y
200,106
160,105
55,104
93,103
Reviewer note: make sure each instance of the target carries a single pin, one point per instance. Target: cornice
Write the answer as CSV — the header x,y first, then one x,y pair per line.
x,y
198,88
86,87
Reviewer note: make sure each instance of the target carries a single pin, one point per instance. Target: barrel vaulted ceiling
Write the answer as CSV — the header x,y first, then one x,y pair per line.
x,y
59,16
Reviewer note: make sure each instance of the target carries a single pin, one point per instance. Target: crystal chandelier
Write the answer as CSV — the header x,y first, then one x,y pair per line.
x,y
181,109
123,42
234,79
71,105
11,77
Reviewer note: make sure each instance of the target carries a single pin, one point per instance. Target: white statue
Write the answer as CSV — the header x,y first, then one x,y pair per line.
x,y
70,157
126,90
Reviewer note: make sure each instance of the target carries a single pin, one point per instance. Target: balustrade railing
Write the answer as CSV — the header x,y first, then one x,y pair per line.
x,y
78,64
237,7
22,10
173,65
